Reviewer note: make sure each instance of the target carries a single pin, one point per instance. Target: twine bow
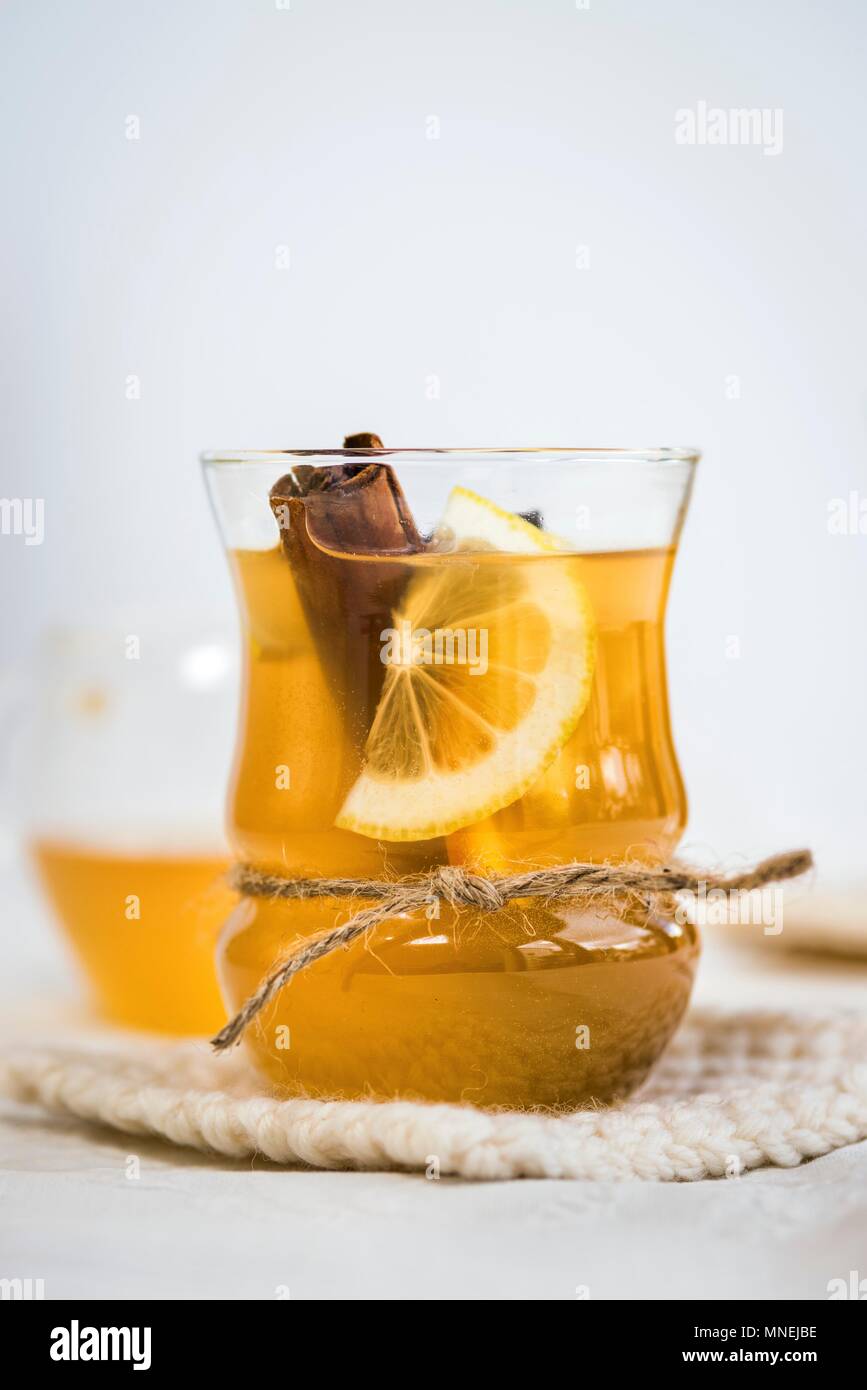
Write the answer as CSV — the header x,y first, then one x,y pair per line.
x,y
459,887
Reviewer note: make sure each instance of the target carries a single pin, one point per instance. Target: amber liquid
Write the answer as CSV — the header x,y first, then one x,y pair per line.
x,y
145,929
484,1008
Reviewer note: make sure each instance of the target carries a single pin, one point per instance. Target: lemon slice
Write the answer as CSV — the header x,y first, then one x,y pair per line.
x,y
470,517
488,672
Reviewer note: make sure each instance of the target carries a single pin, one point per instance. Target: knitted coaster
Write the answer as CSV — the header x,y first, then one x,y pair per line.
x,y
734,1091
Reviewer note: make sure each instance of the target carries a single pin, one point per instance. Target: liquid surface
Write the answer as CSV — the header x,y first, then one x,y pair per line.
x,y
145,930
493,1008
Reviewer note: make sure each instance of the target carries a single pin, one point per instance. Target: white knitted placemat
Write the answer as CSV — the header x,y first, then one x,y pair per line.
x,y
734,1091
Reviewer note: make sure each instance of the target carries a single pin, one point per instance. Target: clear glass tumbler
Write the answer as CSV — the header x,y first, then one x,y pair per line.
x,y
122,784
456,657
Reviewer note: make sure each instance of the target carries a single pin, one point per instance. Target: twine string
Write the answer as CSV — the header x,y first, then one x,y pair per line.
x,y
459,887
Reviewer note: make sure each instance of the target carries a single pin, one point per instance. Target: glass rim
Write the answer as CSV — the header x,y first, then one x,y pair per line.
x,y
664,454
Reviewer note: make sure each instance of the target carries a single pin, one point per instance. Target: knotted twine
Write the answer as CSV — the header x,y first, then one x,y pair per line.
x,y
460,887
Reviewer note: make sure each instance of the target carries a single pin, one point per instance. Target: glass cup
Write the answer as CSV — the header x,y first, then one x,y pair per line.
x,y
456,657
123,780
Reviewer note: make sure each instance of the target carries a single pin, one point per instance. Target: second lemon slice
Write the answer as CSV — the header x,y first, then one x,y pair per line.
x,y
488,672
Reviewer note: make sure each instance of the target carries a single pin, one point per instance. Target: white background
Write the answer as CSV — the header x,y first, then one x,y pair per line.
x,y
457,257
263,127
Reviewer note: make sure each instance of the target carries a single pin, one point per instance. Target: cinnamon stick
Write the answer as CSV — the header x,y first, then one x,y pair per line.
x,y
334,523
